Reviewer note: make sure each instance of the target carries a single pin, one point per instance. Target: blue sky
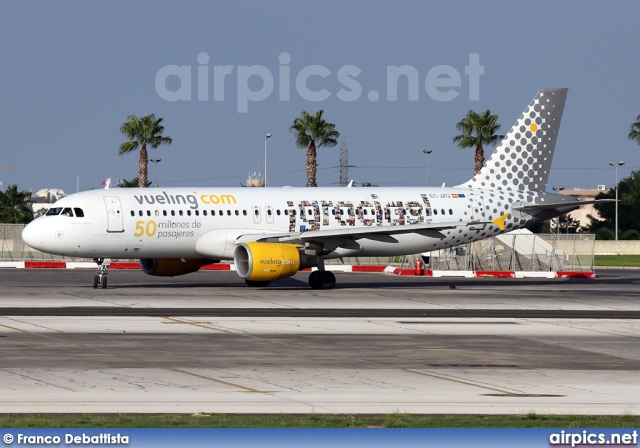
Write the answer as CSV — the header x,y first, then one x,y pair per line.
x,y
73,71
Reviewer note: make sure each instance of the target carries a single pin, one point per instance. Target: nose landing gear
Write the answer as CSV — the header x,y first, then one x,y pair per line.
x,y
101,276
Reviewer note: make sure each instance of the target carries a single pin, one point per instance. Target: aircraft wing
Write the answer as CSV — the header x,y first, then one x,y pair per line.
x,y
363,232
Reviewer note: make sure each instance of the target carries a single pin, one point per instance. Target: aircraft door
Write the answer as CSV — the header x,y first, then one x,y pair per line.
x,y
477,209
256,214
114,214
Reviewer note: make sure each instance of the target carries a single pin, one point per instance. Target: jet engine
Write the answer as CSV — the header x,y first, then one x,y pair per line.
x,y
170,267
263,262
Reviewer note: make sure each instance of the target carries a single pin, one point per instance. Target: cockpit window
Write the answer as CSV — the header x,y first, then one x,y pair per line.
x,y
79,212
67,212
53,211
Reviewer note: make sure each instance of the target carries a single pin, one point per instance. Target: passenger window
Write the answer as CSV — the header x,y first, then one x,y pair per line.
x,y
204,213
180,212
309,212
442,211
148,212
220,212
269,212
197,213
164,213
256,212
188,212
228,212
132,213
278,212
435,211
157,212
237,212
140,212
365,212
244,212
173,213
450,211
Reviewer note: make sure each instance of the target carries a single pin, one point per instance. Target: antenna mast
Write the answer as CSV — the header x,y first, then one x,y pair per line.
x,y
344,163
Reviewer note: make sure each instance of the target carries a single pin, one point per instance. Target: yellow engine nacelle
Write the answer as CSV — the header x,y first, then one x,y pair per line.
x,y
170,267
266,261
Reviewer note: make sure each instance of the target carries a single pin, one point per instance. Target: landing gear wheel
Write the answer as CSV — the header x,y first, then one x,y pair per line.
x,y
322,280
101,276
257,283
313,280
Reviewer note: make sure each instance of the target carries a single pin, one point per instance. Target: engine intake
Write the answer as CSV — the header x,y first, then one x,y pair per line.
x,y
266,261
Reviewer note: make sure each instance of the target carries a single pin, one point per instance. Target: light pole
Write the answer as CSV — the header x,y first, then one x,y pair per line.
x,y
556,189
265,157
616,165
155,175
427,152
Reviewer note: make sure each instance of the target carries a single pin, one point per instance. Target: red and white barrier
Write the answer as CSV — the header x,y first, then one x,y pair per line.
x,y
333,267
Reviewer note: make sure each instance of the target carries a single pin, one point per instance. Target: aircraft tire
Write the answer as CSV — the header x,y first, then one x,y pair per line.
x,y
327,280
322,280
103,283
314,280
95,282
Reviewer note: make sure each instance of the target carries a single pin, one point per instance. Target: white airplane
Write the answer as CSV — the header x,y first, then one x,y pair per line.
x,y
272,233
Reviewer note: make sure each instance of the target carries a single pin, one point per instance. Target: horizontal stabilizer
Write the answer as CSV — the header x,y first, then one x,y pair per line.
x,y
534,208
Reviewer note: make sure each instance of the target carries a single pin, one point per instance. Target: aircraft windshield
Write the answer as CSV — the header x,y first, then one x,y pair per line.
x,y
66,211
54,211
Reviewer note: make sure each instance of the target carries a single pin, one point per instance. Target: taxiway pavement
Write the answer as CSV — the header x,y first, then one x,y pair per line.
x,y
376,343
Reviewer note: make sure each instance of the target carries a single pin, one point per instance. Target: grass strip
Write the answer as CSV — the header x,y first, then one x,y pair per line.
x,y
393,420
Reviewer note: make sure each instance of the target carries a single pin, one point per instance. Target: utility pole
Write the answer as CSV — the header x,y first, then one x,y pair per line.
x,y
617,165
155,175
427,152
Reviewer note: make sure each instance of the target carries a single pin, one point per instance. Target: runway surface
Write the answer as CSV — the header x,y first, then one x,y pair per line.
x,y
377,343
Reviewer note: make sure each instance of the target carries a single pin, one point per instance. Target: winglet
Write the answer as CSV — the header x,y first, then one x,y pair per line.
x,y
500,221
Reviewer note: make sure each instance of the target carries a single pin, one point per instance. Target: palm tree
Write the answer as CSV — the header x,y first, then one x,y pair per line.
x,y
312,131
143,132
477,130
124,183
634,133
15,206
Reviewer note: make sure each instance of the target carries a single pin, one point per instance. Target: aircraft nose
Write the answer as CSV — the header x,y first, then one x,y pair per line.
x,y
33,235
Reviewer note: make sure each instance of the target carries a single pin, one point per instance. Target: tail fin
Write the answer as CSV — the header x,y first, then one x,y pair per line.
x,y
523,159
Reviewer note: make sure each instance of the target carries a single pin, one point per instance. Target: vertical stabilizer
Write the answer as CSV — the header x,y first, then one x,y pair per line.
x,y
523,159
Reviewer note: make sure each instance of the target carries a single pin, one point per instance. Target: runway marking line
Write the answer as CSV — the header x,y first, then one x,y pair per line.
x,y
430,375
14,328
226,383
196,324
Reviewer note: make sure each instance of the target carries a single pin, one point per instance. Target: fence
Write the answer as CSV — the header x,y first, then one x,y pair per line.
x,y
14,249
519,252
513,251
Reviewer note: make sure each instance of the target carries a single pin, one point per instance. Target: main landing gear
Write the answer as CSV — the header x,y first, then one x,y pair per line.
x,y
322,280
101,276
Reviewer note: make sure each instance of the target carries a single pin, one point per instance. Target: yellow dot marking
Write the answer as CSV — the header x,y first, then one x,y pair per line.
x,y
533,127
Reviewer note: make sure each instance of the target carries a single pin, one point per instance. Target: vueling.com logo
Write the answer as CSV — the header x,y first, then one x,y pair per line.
x,y
278,262
190,199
